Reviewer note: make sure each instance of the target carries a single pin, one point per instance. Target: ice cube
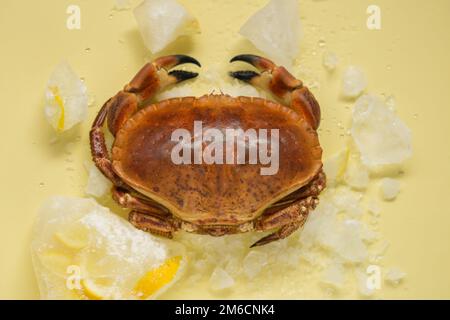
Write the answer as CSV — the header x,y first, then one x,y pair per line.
x,y
394,276
253,263
374,207
321,226
66,98
356,175
389,188
330,61
333,275
381,137
368,235
276,30
220,280
353,82
349,244
334,167
76,236
97,185
348,200
163,21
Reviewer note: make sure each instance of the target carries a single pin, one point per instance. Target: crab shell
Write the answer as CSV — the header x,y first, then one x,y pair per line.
x,y
214,194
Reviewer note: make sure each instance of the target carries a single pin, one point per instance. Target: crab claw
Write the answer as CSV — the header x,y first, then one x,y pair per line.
x,y
175,76
246,76
260,63
182,75
278,81
168,62
272,77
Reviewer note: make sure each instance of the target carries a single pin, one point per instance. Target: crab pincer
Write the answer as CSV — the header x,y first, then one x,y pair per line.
x,y
151,79
278,81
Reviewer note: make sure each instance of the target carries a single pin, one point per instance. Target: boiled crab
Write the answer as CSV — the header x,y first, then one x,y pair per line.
x,y
214,199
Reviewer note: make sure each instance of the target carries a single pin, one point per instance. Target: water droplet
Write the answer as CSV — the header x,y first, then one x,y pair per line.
x,y
87,50
322,43
388,67
41,184
111,15
416,115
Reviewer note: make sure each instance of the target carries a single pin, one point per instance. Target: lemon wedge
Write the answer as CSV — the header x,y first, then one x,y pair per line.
x,y
154,280
66,98
82,250
73,237
58,100
94,290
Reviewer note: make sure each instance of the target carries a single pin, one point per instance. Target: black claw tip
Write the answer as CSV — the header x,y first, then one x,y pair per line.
x,y
186,59
182,75
244,75
249,58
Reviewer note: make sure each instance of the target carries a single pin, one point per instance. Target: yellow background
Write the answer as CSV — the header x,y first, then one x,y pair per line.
x,y
409,58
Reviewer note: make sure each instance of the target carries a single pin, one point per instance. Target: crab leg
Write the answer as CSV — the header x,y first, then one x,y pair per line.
x,y
157,225
290,216
99,150
314,188
126,200
282,84
288,220
282,233
152,78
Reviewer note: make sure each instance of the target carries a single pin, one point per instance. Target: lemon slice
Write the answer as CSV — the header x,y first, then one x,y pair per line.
x,y
93,290
74,237
58,100
158,278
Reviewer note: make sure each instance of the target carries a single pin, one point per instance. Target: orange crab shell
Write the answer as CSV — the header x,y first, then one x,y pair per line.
x,y
214,194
